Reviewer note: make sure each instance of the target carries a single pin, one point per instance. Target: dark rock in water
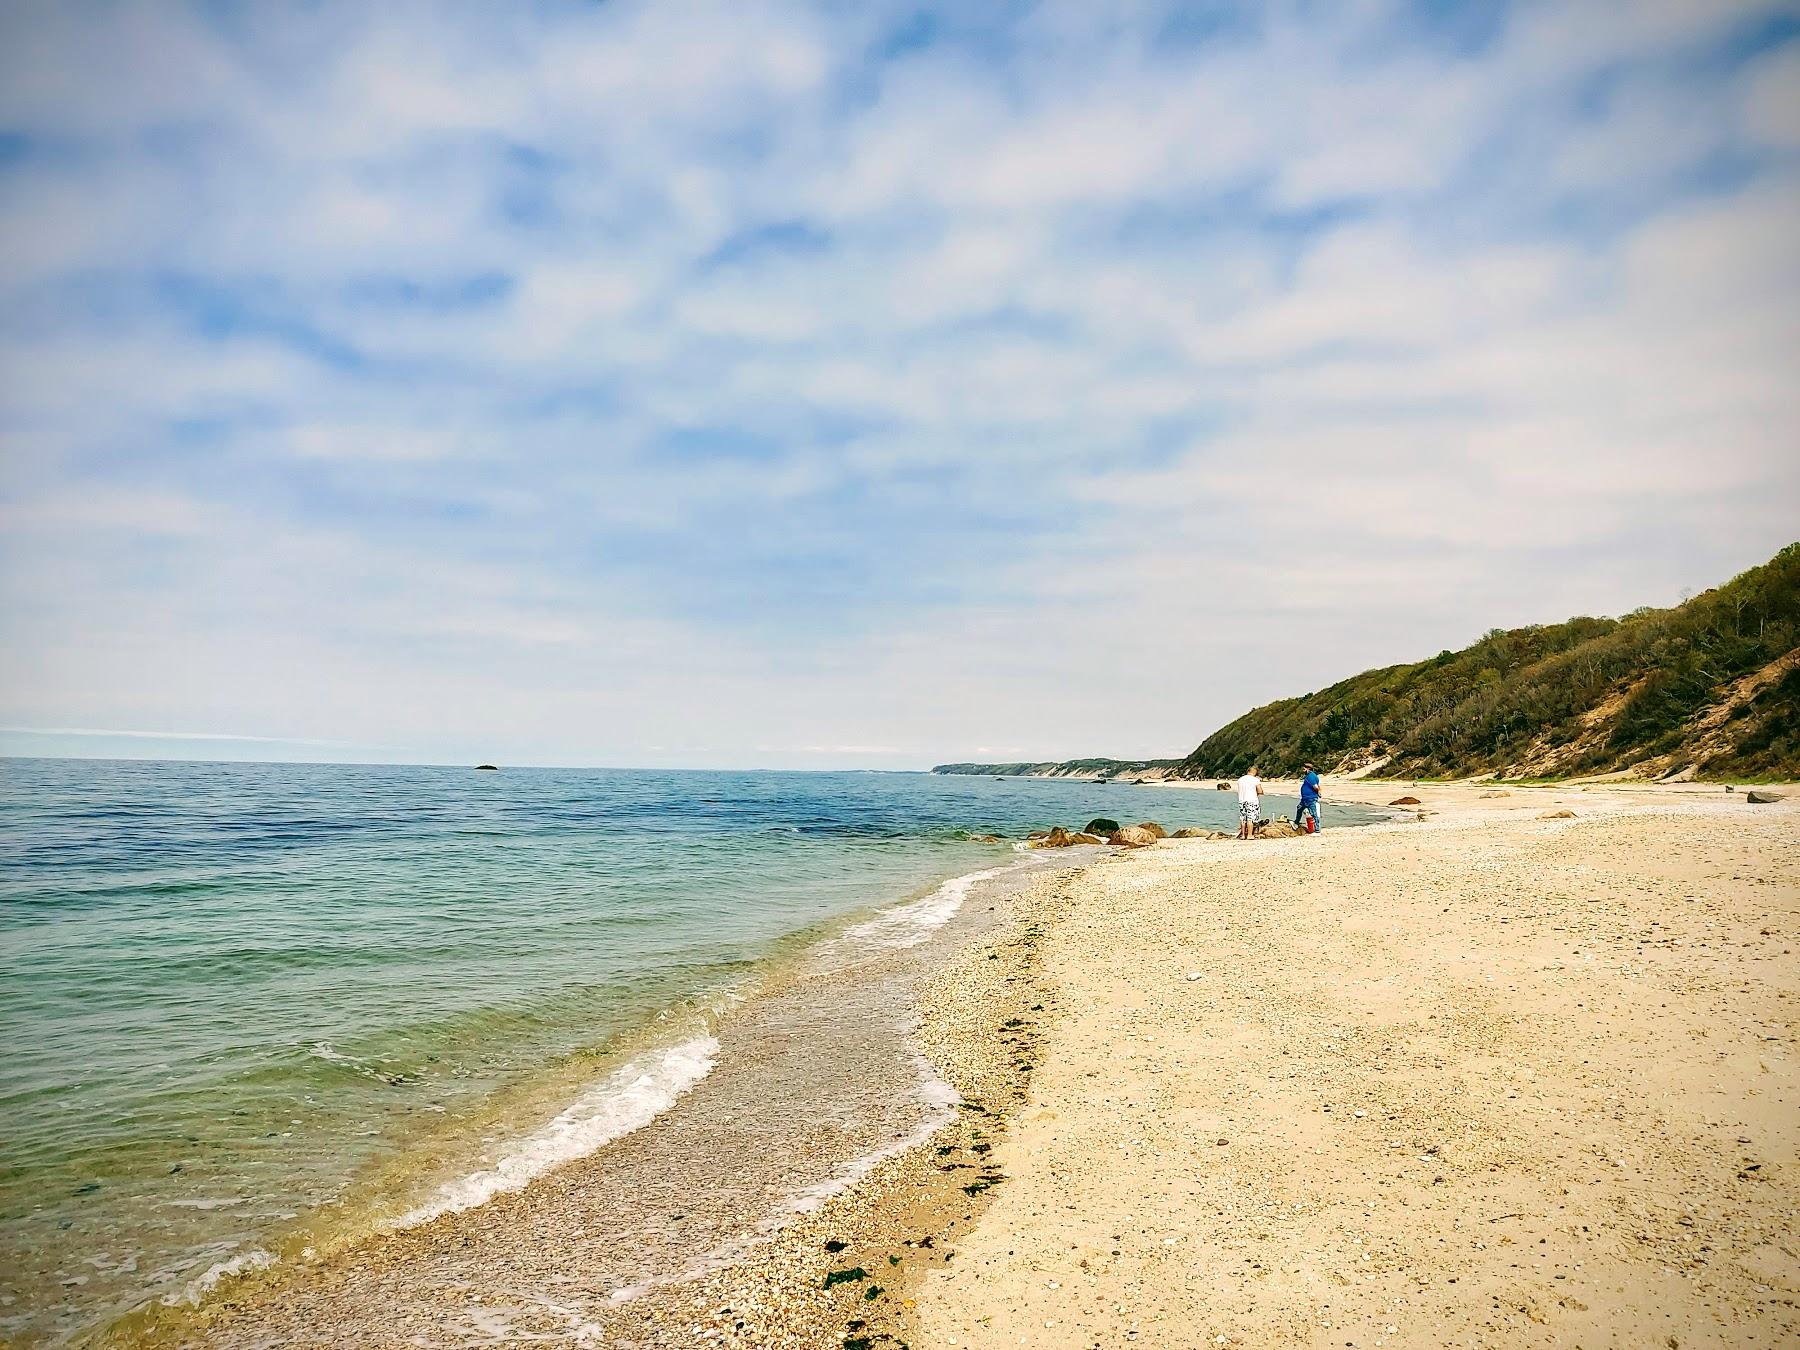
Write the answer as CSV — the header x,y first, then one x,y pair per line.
x,y
1101,825
1223,786
1153,828
1404,801
491,768
1762,798
1040,834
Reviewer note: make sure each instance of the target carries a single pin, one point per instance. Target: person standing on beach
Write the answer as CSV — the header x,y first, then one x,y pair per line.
x,y
1249,791
1309,799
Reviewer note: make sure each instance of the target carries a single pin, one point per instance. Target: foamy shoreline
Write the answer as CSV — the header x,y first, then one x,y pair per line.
x,y
1198,1082
553,1197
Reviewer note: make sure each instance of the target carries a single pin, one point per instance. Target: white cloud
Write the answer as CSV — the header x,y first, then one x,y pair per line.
x,y
586,381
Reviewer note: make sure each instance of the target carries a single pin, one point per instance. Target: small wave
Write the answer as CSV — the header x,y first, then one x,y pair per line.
x,y
224,1203
627,1099
328,1052
908,925
241,1264
940,1099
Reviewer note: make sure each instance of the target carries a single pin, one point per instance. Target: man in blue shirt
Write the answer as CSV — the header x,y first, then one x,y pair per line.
x,y
1309,798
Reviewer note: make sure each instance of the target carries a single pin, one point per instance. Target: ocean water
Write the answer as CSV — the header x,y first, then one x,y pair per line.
x,y
238,998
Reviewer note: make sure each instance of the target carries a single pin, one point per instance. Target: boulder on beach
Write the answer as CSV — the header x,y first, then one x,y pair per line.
x,y
1404,801
1154,828
1223,786
1496,794
1101,825
1190,832
1280,828
1762,798
1057,838
1085,838
1132,836
1557,815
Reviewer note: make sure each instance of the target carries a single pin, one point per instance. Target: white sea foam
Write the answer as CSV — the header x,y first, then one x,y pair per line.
x,y
241,1264
940,1099
627,1099
909,924
225,1202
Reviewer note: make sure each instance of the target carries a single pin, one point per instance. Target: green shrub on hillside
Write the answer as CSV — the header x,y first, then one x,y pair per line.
x,y
1590,694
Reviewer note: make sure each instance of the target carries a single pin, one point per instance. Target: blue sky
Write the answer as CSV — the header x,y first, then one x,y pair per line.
x,y
765,384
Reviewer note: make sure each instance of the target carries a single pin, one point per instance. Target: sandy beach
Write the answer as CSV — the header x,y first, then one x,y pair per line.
x,y
1481,1079
1494,1076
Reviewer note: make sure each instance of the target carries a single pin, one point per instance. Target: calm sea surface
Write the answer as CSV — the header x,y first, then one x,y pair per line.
x,y
235,994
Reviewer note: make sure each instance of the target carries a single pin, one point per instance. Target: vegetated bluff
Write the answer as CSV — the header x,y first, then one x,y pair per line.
x,y
1711,686
1104,769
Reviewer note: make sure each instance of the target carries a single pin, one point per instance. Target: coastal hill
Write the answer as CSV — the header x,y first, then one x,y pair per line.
x,y
1709,688
1105,769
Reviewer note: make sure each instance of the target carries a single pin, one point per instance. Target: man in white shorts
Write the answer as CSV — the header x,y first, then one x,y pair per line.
x,y
1249,791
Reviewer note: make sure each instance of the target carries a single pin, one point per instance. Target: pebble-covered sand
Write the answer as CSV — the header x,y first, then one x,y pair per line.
x,y
522,1268
1481,1079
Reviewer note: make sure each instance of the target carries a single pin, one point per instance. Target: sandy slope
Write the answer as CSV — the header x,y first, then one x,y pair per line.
x,y
1483,1079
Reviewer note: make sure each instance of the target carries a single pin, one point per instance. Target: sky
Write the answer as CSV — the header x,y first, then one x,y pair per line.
x,y
862,385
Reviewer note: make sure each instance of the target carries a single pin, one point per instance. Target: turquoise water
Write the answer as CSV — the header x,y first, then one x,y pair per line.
x,y
235,994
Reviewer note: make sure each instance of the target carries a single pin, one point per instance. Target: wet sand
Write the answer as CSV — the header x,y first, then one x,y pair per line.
x,y
704,1219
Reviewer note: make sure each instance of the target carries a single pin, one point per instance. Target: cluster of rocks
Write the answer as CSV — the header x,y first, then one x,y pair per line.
x,y
1103,831
1061,838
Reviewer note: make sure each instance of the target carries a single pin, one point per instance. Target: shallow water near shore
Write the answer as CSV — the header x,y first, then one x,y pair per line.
x,y
255,1006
